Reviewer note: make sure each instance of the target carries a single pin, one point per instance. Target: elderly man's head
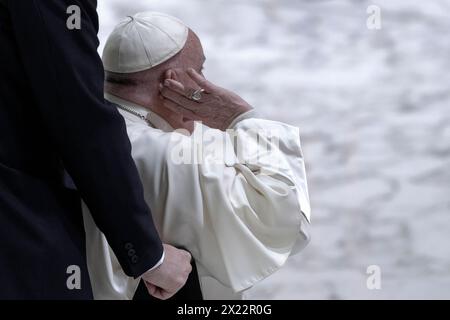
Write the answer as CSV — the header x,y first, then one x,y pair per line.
x,y
168,50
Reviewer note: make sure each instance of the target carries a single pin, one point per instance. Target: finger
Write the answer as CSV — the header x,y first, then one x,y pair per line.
x,y
200,80
165,294
157,292
179,88
168,74
173,106
189,256
151,288
176,86
171,74
179,99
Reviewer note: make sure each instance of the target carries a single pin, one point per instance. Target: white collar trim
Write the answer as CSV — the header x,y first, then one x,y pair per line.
x,y
154,119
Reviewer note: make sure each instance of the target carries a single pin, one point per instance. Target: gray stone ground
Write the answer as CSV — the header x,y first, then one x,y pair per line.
x,y
374,112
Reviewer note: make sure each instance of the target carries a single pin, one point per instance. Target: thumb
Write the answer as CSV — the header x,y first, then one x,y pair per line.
x,y
151,288
200,80
157,292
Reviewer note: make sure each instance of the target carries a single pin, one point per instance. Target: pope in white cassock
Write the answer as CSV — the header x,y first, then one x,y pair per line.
x,y
231,189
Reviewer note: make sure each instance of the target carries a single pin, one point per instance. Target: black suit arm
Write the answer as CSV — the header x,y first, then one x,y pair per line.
x,y
66,75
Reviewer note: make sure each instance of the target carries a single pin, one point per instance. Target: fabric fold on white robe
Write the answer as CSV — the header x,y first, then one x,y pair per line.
x,y
240,218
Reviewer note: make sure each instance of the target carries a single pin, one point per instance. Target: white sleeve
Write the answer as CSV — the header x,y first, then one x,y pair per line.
x,y
276,150
254,209
239,208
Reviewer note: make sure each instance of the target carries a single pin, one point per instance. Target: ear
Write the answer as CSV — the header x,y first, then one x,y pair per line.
x,y
170,74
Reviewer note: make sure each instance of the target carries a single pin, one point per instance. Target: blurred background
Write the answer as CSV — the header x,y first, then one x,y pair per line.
x,y
373,107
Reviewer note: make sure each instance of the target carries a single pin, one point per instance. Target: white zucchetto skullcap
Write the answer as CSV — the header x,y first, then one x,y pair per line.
x,y
143,41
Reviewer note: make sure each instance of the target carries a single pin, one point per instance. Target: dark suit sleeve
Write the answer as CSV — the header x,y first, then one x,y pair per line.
x,y
66,75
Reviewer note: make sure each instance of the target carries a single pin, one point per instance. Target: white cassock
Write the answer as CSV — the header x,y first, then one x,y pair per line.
x,y
240,218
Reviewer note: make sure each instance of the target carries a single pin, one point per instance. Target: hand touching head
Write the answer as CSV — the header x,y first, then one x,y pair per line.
x,y
143,87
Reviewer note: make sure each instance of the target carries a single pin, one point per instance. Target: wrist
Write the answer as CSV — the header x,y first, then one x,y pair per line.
x,y
250,113
240,111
